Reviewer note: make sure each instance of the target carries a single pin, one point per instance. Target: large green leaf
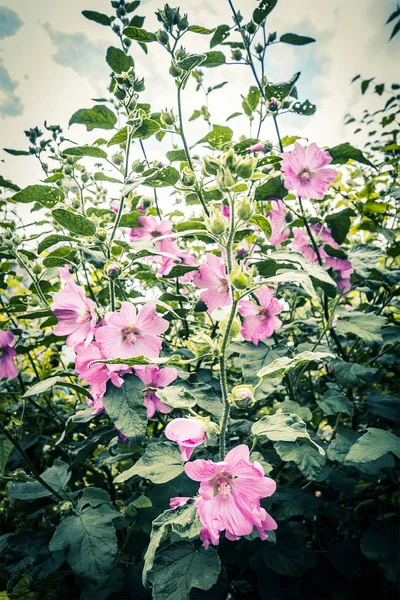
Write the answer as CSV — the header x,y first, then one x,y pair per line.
x,y
44,194
273,188
284,428
50,240
218,136
140,35
148,128
382,546
333,402
160,463
296,40
339,224
118,60
290,556
220,35
98,117
56,476
307,458
281,366
263,10
177,396
384,405
125,407
215,58
79,151
46,384
374,444
282,89
350,374
97,17
5,450
180,567
191,62
74,222
162,178
89,541
366,326
342,153
5,183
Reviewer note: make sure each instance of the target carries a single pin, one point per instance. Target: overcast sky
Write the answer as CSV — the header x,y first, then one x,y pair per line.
x,y
52,63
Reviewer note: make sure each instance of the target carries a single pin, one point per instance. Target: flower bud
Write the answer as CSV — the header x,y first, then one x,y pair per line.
x,y
216,223
102,234
201,344
85,177
259,48
175,71
245,209
242,396
112,270
65,506
183,23
230,159
75,203
188,177
167,117
237,55
241,277
117,158
225,179
235,326
20,475
211,165
37,269
245,167
163,37
273,105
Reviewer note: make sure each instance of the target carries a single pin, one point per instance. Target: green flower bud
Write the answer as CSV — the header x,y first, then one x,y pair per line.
x,y
20,475
230,159
17,240
245,210
68,170
259,48
241,277
245,167
235,326
183,23
242,396
211,165
117,158
85,177
102,234
225,179
188,177
216,223
167,117
37,269
175,71
75,203
251,27
112,270
201,344
274,105
163,37
237,54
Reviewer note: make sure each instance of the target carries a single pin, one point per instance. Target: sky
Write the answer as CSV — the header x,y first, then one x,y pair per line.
x,y
52,62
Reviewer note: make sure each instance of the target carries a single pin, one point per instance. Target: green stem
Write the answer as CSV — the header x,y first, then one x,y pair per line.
x,y
34,279
188,157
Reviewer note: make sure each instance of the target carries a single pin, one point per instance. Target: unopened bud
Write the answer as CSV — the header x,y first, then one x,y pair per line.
x,y
85,177
112,270
163,37
167,117
188,177
225,179
20,475
273,105
102,234
230,159
242,396
211,165
245,167
216,223
117,158
201,344
235,326
245,210
241,277
175,71
37,269
183,23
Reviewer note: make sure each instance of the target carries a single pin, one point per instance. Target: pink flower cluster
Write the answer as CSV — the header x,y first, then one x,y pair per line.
x,y
229,496
154,227
8,369
123,334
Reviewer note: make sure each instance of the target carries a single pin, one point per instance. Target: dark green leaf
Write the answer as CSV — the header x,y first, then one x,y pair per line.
x,y
339,224
218,136
162,178
215,58
16,152
273,188
140,35
125,407
309,461
350,374
97,17
200,30
160,463
118,61
382,545
303,108
296,40
289,556
74,222
79,151
220,35
98,117
283,89
176,155
5,450
46,195
344,152
372,445
191,62
263,223
263,10
384,405
56,476
104,177
119,138
8,184
333,402
148,128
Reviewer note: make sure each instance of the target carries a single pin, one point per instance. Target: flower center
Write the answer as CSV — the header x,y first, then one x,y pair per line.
x,y
84,318
130,334
223,286
264,314
224,490
304,175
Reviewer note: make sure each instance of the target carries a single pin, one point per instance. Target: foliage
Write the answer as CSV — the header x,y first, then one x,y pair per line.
x,y
87,474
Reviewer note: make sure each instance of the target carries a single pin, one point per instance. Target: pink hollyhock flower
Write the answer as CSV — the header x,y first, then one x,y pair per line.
x,y
151,227
75,313
323,234
229,496
301,243
260,147
188,433
182,258
260,322
115,206
305,171
8,369
156,378
178,501
343,269
277,216
213,279
225,210
98,374
128,333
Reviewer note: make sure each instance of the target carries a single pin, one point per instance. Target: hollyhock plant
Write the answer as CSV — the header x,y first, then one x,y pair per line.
x,y
229,496
127,333
260,321
8,368
188,433
155,378
305,172
212,277
277,217
151,227
97,374
75,312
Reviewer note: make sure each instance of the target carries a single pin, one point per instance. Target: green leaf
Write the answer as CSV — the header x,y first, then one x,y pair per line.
x,y
97,17
289,406
366,326
303,108
215,58
339,224
333,402
16,152
160,463
98,117
282,89
263,10
162,178
5,451
36,314
183,521
290,556
374,444
191,62
125,407
176,155
180,270
263,223
177,396
5,183
281,366
296,40
56,476
200,30
384,405
74,222
350,374
119,138
103,177
46,384
148,128
309,461
218,136
382,546
89,541
46,195
140,35
79,151
273,188
118,61
346,559
180,567
284,428
220,35
55,261
344,152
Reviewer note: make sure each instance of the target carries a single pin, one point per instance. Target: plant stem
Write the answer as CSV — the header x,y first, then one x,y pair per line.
x,y
277,133
34,279
188,157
